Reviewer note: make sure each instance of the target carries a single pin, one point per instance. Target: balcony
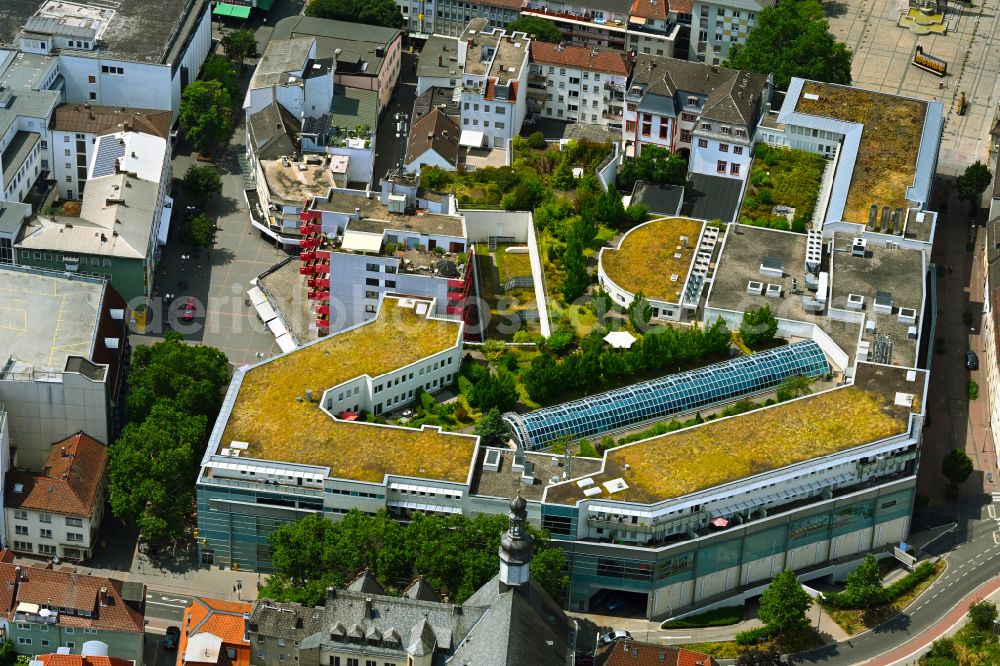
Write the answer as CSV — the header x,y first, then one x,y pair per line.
x,y
575,18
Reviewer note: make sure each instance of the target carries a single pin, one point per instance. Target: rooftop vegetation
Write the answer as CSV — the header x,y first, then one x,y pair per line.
x,y
887,154
726,450
649,255
782,177
268,415
495,269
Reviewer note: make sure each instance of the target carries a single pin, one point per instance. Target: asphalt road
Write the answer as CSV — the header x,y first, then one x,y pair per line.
x,y
974,559
387,146
166,605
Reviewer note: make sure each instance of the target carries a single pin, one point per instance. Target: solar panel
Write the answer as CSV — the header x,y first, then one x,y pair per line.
x,y
665,396
109,150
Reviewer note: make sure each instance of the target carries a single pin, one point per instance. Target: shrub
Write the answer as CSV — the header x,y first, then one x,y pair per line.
x,y
493,349
973,390
536,140
427,401
474,371
758,326
560,341
755,636
464,385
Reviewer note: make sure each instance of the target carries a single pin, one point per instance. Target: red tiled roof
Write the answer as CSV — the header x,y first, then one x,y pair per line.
x,y
681,6
581,57
69,485
64,589
653,10
221,618
80,660
634,653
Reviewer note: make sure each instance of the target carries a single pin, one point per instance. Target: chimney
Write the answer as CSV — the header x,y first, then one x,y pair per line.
x,y
440,61
331,593
368,607
456,609
246,627
103,596
64,454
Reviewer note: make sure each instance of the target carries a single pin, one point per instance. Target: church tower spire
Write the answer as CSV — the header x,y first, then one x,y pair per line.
x,y
515,547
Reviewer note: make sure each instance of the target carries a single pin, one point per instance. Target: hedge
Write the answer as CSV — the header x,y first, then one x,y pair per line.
x,y
756,635
843,600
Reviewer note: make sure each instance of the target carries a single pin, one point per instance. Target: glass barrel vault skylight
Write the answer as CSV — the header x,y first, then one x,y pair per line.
x,y
665,396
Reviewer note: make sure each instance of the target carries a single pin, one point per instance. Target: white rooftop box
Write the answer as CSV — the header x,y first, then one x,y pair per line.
x,y
755,288
773,291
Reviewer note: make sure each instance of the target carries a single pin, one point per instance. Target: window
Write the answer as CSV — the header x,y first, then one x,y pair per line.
x,y
725,129
71,645
720,166
371,267
707,127
74,522
91,79
391,284
371,282
68,630
23,545
723,147
46,534
20,514
45,517
46,549
737,150
371,294
74,536
88,630
21,529
686,136
21,640
93,95
689,117
45,643
702,143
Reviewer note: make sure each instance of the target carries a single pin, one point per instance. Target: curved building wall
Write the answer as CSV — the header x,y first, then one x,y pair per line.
x,y
668,395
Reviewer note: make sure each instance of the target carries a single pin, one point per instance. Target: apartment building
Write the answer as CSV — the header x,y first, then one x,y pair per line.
x,y
367,57
433,141
57,512
129,53
52,388
74,129
707,113
52,609
494,84
577,83
438,66
659,27
716,26
124,218
214,632
427,18
594,23
13,216
30,88
990,359
290,74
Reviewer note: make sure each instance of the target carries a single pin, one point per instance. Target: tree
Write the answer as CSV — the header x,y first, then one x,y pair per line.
x,y
863,586
199,231
539,28
526,194
562,178
654,164
435,178
973,182
202,183
494,391
758,326
492,429
758,657
610,209
151,471
793,386
601,303
956,466
385,13
784,604
548,567
575,278
793,39
206,114
639,312
217,68
8,653
636,214
982,615
239,45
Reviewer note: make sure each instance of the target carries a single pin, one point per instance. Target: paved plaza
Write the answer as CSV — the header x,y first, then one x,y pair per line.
x,y
883,52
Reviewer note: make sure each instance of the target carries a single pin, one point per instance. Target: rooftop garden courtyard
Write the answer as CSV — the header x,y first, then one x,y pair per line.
x,y
506,285
784,184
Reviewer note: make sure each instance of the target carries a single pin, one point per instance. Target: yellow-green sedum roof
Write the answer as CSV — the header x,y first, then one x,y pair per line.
x,y
268,417
648,255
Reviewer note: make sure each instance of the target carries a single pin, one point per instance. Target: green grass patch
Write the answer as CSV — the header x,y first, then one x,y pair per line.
x,y
790,643
854,621
718,617
782,176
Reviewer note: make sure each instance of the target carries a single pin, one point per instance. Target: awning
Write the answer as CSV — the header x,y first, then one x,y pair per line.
x,y
256,296
265,311
361,241
265,5
236,11
168,207
277,327
471,138
620,339
285,342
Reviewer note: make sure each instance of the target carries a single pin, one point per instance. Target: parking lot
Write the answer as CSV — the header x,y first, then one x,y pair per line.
x,y
883,52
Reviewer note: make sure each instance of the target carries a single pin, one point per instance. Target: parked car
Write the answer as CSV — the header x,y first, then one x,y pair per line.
x,y
172,638
971,360
614,602
612,636
188,309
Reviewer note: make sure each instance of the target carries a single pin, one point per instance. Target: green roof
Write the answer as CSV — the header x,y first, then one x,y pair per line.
x,y
352,107
226,9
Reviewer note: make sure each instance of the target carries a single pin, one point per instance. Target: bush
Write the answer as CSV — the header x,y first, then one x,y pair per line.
x,y
560,341
755,636
587,450
973,390
427,401
844,600
464,385
536,140
983,614
473,371
493,349
758,326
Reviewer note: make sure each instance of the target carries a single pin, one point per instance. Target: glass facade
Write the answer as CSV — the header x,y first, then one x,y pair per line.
x,y
668,395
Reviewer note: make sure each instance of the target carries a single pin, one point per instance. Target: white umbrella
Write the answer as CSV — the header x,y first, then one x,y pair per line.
x,y
619,339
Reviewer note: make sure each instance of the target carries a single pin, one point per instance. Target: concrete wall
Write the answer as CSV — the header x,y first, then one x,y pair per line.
x,y
707,154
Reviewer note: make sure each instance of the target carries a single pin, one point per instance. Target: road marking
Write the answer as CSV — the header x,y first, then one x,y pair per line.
x,y
160,603
674,638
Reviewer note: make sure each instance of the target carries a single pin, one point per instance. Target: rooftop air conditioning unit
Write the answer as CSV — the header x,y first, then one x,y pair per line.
x,y
855,302
755,288
773,291
858,246
907,315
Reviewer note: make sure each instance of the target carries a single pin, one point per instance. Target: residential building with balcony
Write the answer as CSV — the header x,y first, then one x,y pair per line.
x,y
128,53
51,609
57,512
593,23
438,65
123,221
53,387
716,26
214,632
290,74
494,84
707,113
659,27
30,89
74,129
428,18
578,83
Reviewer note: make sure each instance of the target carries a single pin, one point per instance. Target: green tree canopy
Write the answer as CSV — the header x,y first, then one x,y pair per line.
x,y
956,466
217,68
863,586
758,657
202,183
654,164
639,312
575,275
982,615
385,13
784,604
494,391
793,39
199,231
206,114
973,182
8,653
456,555
758,326
541,29
239,45
493,430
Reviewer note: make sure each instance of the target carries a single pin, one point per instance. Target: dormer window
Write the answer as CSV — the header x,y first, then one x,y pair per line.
x,y
725,129
692,101
707,127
